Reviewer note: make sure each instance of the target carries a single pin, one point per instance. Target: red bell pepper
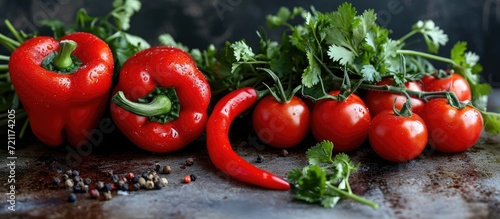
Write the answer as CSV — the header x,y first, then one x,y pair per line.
x,y
63,85
161,100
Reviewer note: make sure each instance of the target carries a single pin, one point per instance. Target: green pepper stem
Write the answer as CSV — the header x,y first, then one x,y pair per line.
x,y
63,58
160,105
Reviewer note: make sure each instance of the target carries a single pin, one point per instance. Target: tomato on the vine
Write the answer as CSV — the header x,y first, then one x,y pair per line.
x,y
378,101
281,125
451,129
397,138
454,83
344,123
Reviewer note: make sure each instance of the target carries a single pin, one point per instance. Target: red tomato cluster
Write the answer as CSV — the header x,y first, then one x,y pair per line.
x,y
349,123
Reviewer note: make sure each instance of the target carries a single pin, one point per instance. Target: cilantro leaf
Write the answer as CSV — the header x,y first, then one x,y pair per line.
x,y
123,10
320,153
324,180
341,55
370,74
167,40
242,52
433,35
491,122
312,73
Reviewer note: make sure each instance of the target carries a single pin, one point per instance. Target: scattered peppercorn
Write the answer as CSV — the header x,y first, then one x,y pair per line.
x,y
100,185
157,166
187,179
189,161
77,179
85,189
142,182
121,183
72,197
69,172
164,182
65,177
149,184
124,187
167,169
69,183
75,173
94,193
108,187
107,196
158,185
135,179
77,189
193,177
137,186
145,175
115,178
260,158
283,153
87,181
130,176
56,181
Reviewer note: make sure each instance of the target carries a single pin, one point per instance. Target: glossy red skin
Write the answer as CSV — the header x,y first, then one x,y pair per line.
x,y
343,123
378,101
63,105
219,147
166,67
397,138
455,83
281,125
451,130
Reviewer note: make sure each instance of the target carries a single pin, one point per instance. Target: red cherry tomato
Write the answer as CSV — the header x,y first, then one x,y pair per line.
x,y
455,83
377,101
397,138
281,125
344,123
451,130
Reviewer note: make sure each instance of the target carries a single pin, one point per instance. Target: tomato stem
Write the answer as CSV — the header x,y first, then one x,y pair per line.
x,y
427,55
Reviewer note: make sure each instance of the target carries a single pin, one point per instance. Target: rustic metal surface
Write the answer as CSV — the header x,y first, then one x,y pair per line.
x,y
435,185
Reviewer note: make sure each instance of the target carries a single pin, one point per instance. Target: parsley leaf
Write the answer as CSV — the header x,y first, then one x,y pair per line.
x,y
242,52
312,73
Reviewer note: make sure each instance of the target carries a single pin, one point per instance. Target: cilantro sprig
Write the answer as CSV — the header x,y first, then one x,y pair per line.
x,y
326,179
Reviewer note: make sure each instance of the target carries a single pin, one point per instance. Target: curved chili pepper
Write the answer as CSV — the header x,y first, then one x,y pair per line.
x,y
63,85
219,147
161,99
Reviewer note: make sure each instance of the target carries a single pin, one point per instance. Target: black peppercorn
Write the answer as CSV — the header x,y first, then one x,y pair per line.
x,y
77,189
75,173
87,181
167,169
107,188
124,187
115,178
135,179
260,158
145,175
157,166
56,181
158,185
193,177
72,197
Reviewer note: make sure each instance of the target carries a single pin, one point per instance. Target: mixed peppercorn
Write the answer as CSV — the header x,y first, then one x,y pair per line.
x,y
118,183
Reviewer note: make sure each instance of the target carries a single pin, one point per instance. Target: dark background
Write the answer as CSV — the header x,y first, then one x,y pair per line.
x,y
198,23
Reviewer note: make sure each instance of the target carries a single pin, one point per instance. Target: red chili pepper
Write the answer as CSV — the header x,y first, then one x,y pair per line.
x,y
219,147
63,85
161,99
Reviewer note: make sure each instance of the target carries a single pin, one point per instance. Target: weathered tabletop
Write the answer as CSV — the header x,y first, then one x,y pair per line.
x,y
435,185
